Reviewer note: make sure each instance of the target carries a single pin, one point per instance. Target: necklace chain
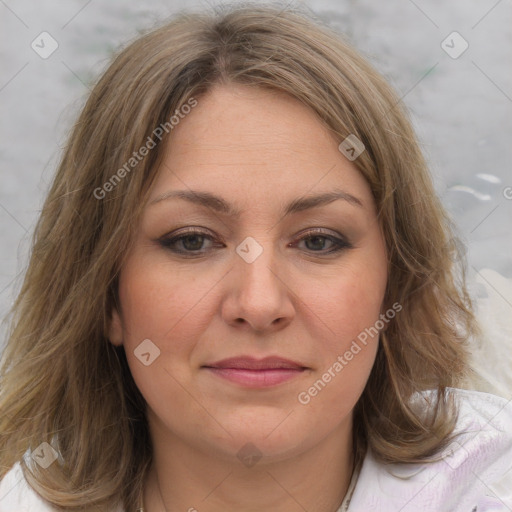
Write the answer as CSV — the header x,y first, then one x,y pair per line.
x,y
345,503
140,506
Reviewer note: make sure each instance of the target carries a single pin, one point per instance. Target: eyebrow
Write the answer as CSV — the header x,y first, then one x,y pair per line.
x,y
219,205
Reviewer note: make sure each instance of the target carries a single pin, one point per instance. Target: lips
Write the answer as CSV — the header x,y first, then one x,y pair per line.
x,y
248,372
251,363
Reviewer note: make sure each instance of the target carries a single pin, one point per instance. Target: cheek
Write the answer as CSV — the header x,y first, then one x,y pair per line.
x,y
333,393
348,305
166,309
170,308
350,309
157,302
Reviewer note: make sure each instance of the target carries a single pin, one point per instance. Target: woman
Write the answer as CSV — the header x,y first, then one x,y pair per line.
x,y
185,340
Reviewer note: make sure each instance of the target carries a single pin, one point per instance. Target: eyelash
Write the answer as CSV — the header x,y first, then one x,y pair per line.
x,y
168,242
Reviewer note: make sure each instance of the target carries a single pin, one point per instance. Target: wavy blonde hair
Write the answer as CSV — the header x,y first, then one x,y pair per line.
x,y
63,382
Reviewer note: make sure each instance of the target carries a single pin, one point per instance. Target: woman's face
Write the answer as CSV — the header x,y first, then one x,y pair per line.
x,y
249,262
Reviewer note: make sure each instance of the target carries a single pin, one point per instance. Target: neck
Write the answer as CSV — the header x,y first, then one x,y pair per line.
x,y
183,477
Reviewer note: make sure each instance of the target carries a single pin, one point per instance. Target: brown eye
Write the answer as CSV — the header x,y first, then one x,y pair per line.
x,y
190,243
315,241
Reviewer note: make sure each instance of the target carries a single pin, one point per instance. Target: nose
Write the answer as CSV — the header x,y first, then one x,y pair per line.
x,y
259,294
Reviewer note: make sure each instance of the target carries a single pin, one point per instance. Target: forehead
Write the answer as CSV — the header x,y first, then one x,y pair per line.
x,y
259,144
246,119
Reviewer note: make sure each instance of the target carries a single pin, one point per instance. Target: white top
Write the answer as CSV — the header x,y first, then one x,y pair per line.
x,y
474,475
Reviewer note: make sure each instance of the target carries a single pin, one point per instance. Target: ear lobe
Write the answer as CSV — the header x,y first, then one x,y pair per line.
x,y
115,328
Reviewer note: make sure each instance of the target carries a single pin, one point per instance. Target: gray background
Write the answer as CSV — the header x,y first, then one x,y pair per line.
x,y
461,108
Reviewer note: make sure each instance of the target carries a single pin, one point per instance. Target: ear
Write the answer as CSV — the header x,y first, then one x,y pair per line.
x,y
115,328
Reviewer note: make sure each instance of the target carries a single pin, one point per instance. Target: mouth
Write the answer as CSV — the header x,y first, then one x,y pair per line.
x,y
256,373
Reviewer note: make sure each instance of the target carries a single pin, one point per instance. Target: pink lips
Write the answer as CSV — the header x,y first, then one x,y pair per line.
x,y
255,373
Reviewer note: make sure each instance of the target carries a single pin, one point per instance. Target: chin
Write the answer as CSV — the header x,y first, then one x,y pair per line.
x,y
276,438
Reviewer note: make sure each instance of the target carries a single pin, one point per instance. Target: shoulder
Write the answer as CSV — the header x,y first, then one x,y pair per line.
x,y
17,496
474,473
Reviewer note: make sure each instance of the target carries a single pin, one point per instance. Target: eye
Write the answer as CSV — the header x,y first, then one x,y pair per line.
x,y
190,243
315,241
